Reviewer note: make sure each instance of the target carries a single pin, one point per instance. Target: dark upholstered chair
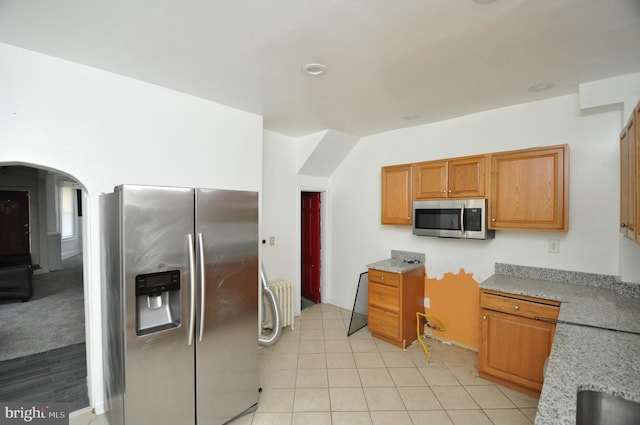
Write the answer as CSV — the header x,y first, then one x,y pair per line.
x,y
16,277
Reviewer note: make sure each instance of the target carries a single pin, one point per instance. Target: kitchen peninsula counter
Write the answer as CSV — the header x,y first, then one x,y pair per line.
x,y
597,339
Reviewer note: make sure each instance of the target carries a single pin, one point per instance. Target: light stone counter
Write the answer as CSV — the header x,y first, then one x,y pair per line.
x,y
400,262
597,339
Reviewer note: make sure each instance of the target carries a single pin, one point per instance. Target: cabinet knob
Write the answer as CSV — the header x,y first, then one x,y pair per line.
x,y
493,219
484,317
381,277
450,190
382,323
623,225
516,308
409,218
382,297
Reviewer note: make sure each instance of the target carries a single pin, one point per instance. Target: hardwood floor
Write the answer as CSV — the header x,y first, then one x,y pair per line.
x,y
58,375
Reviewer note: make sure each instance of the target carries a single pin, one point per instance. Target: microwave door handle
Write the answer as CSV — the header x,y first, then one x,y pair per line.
x,y
462,218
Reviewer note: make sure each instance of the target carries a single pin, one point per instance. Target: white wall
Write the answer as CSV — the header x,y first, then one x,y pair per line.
x,y
357,238
103,130
281,210
624,90
591,245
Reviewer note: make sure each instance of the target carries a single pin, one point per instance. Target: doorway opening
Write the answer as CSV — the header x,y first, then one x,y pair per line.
x,y
43,334
310,248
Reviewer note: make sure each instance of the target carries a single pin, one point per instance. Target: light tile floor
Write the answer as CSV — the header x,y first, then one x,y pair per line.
x,y
316,375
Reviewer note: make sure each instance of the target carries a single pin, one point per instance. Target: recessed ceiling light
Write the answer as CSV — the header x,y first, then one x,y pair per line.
x,y
541,87
411,117
314,69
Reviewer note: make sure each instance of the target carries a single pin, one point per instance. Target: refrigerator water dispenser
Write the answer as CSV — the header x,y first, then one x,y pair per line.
x,y
157,302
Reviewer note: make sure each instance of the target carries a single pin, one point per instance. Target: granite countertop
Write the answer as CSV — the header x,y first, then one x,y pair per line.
x,y
400,262
596,344
394,265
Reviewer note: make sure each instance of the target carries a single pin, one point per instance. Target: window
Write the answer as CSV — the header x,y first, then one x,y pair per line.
x,y
67,212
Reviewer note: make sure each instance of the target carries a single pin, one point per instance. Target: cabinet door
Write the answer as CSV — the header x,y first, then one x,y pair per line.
x,y
466,177
397,205
430,180
455,178
627,181
635,171
384,297
514,348
530,189
384,323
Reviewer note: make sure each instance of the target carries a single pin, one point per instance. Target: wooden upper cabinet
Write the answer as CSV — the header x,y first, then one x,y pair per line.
x,y
627,181
430,180
454,178
635,171
630,177
467,177
530,189
397,204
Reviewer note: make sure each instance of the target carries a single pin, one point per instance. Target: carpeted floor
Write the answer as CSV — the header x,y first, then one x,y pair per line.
x,y
51,319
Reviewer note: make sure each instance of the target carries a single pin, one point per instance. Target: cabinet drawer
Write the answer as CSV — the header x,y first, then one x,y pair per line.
x,y
525,306
384,323
385,297
386,278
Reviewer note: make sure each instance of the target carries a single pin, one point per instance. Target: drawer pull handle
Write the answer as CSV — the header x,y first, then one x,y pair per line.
x,y
516,308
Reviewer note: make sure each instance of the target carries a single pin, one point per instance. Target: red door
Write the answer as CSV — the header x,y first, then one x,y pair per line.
x,y
14,222
311,246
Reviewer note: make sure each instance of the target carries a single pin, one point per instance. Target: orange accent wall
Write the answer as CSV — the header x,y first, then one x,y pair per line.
x,y
455,300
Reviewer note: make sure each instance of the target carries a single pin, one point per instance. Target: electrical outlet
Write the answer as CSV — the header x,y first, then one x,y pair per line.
x,y
554,246
272,240
427,302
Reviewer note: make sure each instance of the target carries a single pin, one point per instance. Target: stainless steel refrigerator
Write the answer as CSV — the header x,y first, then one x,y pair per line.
x,y
180,304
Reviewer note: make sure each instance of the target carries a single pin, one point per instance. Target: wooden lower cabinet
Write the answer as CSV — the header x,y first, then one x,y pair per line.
x,y
516,334
394,300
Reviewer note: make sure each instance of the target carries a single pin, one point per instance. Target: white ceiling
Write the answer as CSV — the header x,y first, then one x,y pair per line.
x,y
386,59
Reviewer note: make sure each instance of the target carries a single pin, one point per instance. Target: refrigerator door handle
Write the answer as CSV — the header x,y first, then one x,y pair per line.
x,y
192,286
203,285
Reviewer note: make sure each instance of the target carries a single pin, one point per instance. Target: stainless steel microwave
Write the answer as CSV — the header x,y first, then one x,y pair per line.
x,y
452,218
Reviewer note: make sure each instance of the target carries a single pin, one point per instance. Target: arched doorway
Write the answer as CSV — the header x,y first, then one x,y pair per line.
x,y
43,354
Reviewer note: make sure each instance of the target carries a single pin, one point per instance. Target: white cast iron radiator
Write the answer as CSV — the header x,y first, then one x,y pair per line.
x,y
283,289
